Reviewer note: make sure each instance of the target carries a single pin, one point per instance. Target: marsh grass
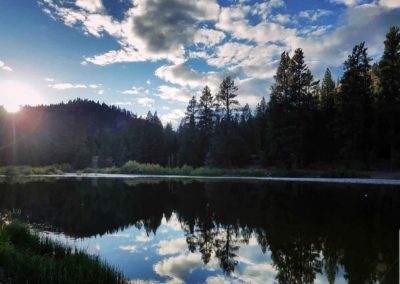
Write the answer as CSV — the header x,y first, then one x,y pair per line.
x,y
26,257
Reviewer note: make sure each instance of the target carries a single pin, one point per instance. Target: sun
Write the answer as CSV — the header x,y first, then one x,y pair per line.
x,y
14,94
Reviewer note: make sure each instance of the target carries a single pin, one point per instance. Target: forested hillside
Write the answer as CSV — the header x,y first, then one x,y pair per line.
x,y
353,123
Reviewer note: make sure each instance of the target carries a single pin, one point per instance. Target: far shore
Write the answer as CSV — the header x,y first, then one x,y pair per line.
x,y
371,181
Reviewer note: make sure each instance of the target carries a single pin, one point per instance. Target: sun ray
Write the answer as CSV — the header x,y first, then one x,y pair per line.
x,y
14,94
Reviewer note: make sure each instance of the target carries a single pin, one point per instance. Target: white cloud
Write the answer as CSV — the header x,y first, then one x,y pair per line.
x,y
167,247
390,3
131,249
67,86
346,2
100,92
173,223
143,238
314,15
172,93
4,67
208,37
180,267
90,5
146,102
48,79
174,117
133,91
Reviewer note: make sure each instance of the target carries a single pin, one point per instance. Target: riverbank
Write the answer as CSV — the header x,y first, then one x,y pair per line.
x,y
133,167
134,170
25,257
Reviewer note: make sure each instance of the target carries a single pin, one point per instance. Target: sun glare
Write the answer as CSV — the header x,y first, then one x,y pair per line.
x,y
14,94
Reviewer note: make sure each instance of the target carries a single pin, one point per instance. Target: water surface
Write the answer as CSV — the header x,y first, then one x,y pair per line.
x,y
186,231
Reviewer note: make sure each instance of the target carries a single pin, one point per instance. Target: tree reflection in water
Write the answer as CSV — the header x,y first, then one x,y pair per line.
x,y
307,228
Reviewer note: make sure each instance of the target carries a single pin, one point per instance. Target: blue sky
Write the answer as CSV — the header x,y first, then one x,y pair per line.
x,y
154,54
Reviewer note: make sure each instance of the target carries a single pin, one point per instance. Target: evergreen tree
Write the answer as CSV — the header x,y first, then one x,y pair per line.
x,y
389,77
355,118
327,92
189,153
206,114
261,121
325,149
291,107
226,97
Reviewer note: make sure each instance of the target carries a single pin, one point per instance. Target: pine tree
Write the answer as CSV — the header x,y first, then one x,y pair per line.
x,y
389,77
291,104
325,121
355,106
189,152
206,115
327,92
226,97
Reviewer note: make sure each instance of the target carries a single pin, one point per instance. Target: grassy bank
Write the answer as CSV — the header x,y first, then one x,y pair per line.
x,y
133,167
25,257
29,170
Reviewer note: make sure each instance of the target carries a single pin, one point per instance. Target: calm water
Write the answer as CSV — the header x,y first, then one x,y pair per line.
x,y
220,232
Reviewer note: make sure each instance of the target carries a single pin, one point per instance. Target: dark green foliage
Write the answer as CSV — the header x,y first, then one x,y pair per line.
x,y
226,98
292,105
26,257
355,107
389,99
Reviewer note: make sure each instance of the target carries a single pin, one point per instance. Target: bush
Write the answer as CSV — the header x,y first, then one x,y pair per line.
x,y
25,257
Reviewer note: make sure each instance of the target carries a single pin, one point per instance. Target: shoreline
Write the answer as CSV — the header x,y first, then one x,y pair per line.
x,y
370,181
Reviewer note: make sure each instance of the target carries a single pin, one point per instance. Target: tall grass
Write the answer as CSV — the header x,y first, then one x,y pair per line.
x,y
29,170
25,257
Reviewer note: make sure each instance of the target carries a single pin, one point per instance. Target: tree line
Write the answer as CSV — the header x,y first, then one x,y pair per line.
x,y
352,123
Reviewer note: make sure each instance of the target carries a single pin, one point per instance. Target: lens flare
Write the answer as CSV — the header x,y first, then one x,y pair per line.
x,y
15,94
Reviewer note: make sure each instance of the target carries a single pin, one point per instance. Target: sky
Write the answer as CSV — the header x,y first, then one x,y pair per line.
x,y
155,54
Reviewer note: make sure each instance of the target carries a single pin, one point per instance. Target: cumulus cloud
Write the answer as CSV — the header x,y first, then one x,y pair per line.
x,y
174,117
90,5
224,37
180,267
172,93
174,246
143,238
5,67
390,3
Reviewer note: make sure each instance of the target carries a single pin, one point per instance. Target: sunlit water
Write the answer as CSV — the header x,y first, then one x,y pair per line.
x,y
156,230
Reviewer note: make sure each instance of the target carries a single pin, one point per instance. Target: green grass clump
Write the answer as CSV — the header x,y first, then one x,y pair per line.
x,y
29,170
25,257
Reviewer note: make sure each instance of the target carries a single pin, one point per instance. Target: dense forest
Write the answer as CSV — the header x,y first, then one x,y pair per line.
x,y
307,123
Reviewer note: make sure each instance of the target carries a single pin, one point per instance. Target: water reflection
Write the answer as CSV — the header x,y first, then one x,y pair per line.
x,y
220,231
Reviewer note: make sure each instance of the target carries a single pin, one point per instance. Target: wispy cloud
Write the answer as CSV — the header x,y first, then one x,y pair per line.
x,y
5,67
